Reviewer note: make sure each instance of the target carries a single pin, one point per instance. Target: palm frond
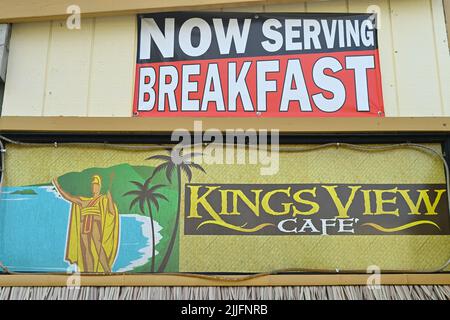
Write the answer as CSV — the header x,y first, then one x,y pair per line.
x,y
156,187
169,170
133,192
159,168
160,196
141,204
138,184
185,168
147,182
146,195
133,202
153,200
196,166
159,157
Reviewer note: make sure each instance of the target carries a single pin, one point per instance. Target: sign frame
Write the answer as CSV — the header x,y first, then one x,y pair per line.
x,y
74,129
329,75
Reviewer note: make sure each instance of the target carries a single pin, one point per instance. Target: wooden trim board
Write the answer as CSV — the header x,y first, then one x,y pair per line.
x,y
165,125
14,280
26,10
288,125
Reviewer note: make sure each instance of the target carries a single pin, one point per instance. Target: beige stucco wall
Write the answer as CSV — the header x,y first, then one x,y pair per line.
x,y
54,71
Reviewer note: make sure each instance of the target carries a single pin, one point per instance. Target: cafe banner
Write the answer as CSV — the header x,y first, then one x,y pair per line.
x,y
75,208
257,65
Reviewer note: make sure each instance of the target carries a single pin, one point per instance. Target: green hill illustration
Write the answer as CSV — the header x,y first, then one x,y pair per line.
x,y
28,192
78,184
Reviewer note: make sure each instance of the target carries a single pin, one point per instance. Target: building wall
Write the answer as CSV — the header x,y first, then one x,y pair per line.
x,y
55,71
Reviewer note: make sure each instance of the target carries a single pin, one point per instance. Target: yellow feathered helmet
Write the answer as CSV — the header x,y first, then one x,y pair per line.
x,y
96,179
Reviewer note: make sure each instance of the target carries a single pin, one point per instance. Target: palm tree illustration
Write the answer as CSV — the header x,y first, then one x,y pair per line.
x,y
147,196
176,162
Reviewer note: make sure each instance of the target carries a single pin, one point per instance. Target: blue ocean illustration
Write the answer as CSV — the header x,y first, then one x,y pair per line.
x,y
33,231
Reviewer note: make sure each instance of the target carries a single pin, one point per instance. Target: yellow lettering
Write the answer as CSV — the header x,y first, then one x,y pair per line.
x,y
265,202
196,201
423,197
341,208
314,205
254,206
381,202
224,202
367,207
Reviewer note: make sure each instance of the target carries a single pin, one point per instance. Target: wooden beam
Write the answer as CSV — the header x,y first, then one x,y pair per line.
x,y
49,280
32,10
166,125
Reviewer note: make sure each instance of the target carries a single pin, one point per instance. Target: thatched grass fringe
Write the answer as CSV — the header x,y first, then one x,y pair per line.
x,y
228,293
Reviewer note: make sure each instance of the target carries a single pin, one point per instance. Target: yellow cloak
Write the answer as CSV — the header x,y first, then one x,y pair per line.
x,y
110,235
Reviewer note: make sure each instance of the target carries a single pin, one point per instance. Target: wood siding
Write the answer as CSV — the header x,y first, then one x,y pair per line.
x,y
54,71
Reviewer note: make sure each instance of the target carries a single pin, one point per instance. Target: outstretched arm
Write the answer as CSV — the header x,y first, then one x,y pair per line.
x,y
65,194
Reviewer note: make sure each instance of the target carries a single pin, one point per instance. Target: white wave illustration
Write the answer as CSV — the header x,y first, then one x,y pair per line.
x,y
147,233
51,189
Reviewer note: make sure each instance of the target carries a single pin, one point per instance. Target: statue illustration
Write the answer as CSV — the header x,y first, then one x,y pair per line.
x,y
93,234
